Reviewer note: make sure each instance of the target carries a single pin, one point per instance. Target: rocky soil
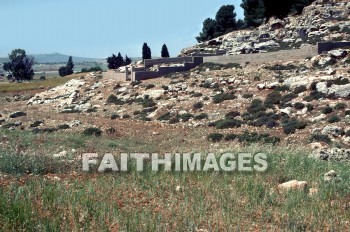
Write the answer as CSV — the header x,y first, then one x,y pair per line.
x,y
295,103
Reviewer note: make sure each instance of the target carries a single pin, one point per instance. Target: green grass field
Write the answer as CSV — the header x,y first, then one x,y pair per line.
x,y
46,194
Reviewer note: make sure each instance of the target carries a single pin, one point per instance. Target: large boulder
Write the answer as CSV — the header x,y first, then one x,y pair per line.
x,y
339,90
337,54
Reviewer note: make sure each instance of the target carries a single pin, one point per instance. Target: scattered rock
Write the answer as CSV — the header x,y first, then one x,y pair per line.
x,y
335,131
313,191
62,154
293,185
332,155
340,90
332,176
337,54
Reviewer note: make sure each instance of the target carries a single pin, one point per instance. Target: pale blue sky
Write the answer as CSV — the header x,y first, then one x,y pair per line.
x,y
98,28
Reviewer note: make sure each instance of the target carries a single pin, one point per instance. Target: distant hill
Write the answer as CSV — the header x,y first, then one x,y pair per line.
x,y
56,58
53,58
60,58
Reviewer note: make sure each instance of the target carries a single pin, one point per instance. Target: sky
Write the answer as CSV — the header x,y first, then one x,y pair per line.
x,y
98,28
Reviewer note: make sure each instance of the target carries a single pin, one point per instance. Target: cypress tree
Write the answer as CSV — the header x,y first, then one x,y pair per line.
x,y
165,52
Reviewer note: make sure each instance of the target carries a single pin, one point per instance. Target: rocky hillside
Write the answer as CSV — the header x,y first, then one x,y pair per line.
x,y
324,20
300,102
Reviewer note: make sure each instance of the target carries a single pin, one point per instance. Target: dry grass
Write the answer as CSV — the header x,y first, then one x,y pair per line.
x,y
7,87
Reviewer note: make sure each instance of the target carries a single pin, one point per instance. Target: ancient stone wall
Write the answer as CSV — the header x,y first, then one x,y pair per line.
x,y
261,58
327,46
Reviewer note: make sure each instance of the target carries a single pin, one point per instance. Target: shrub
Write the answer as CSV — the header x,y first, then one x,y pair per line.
x,y
42,78
150,109
114,116
347,112
36,124
185,117
247,95
340,106
112,99
314,95
125,116
197,95
147,102
63,127
17,114
347,133
165,87
198,105
215,137
300,89
150,86
291,125
320,138
327,110
256,106
272,124
137,112
230,137
201,116
279,67
273,98
334,119
44,130
255,137
232,65
92,131
310,107
288,97
223,97
164,117
299,106
232,114
174,120
8,125
228,123
282,88
206,85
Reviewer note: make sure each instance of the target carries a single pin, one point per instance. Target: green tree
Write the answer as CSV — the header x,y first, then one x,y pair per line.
x,y
165,52
114,62
208,31
70,66
253,12
146,52
127,60
226,19
20,66
68,69
298,6
281,9
62,71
